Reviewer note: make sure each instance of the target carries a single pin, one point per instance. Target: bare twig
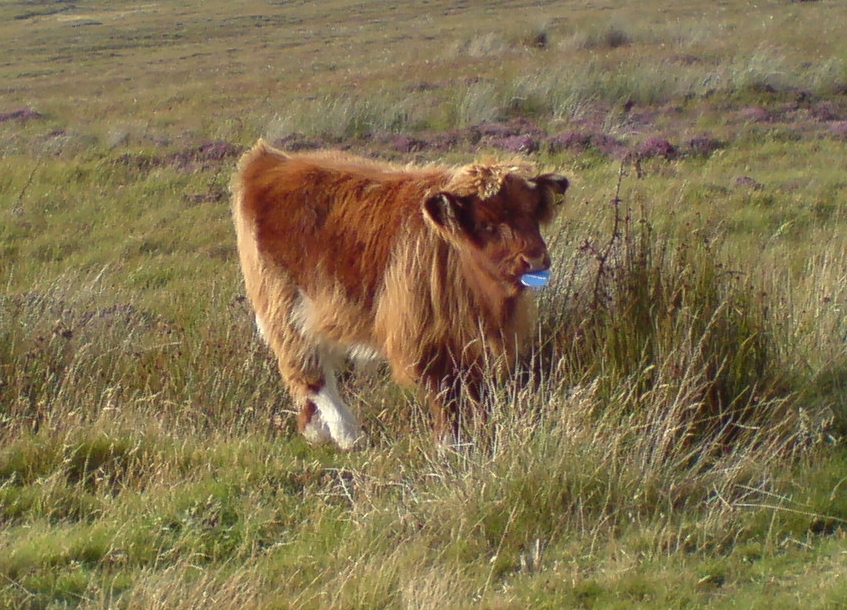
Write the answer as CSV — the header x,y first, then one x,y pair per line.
x,y
602,256
18,208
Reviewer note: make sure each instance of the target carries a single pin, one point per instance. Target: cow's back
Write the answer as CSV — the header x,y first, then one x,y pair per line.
x,y
329,221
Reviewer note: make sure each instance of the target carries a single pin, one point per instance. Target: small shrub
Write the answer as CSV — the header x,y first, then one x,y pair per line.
x,y
650,312
610,37
534,37
703,145
517,144
656,146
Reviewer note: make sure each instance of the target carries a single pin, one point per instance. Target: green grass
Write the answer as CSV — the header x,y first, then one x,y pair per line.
x,y
675,438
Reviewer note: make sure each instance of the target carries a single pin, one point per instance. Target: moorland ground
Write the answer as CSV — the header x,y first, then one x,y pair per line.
x,y
675,437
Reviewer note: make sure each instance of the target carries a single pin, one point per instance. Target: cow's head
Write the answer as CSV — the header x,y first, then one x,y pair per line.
x,y
494,220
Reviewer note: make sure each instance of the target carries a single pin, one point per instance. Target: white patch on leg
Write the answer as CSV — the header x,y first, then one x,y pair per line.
x,y
332,420
316,431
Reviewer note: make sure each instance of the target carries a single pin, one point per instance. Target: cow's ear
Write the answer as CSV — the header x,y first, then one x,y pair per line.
x,y
445,212
556,183
552,187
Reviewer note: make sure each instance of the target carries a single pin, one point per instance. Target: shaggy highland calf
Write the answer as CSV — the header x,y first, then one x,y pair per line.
x,y
344,256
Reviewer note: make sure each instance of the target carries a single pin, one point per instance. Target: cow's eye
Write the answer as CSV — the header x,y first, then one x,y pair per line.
x,y
487,228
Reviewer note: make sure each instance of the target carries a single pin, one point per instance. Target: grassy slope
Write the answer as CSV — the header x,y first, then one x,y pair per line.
x,y
147,459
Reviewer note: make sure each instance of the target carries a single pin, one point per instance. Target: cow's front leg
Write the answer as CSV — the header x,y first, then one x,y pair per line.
x,y
456,406
444,407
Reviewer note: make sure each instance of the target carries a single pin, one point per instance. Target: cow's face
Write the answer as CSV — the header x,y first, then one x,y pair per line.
x,y
501,234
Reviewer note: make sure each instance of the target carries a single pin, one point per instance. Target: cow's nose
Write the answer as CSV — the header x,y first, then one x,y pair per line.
x,y
537,262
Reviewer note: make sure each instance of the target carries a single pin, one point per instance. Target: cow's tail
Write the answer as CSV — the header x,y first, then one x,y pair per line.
x,y
243,205
248,186
248,198
251,177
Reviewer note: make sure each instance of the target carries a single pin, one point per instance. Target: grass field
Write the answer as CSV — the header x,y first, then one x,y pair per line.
x,y
675,438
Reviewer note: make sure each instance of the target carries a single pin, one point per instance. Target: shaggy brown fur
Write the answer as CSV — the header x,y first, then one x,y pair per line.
x,y
419,264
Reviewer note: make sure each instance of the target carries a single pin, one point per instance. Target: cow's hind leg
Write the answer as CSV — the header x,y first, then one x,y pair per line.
x,y
323,415
308,374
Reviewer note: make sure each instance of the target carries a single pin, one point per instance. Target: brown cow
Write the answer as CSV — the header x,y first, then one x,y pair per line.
x,y
344,256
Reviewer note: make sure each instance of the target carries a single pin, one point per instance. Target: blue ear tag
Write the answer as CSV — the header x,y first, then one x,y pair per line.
x,y
536,279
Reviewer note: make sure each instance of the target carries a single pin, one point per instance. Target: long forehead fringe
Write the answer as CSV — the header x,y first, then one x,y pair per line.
x,y
486,179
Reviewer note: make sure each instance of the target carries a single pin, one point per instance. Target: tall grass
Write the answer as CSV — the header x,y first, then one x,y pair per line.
x,y
349,116
562,93
660,311
65,355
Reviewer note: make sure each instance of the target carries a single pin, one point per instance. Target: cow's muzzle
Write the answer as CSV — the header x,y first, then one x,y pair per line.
x,y
535,262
